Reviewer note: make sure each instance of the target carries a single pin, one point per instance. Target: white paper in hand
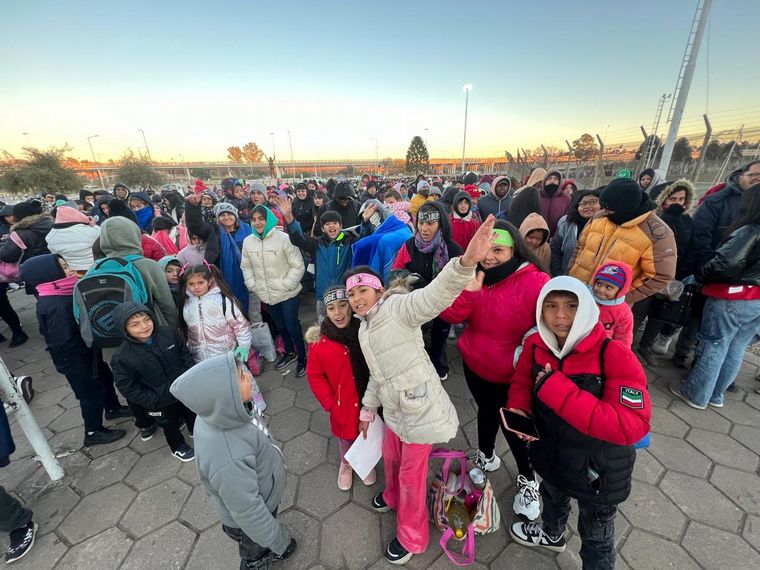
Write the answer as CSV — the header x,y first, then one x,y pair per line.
x,y
365,453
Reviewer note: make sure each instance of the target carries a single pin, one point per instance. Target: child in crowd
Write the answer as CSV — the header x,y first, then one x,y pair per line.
x,y
535,232
211,318
194,252
144,367
588,397
331,253
416,409
171,266
464,220
611,282
53,281
399,207
338,375
240,468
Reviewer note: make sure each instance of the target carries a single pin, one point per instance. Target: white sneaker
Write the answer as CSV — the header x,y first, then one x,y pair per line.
x,y
526,501
487,464
661,344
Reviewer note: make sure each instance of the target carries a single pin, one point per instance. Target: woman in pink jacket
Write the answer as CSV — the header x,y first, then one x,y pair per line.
x,y
499,306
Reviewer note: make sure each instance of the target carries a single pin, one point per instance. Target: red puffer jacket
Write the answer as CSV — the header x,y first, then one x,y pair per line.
x,y
497,319
151,248
607,418
332,380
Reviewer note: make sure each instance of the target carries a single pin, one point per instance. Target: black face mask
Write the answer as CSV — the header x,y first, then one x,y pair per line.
x,y
551,189
675,209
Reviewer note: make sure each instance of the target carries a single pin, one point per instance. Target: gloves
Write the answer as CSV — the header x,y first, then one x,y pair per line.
x,y
241,352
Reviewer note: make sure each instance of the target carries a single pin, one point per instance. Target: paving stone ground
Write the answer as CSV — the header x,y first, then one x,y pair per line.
x,y
695,501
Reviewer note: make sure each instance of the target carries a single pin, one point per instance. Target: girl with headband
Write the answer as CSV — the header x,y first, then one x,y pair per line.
x,y
338,374
499,307
416,409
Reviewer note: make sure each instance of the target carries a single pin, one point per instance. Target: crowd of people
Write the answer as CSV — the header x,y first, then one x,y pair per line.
x,y
555,294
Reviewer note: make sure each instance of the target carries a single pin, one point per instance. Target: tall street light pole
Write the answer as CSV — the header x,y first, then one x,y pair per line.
x,y
145,142
28,141
274,155
95,160
292,162
467,88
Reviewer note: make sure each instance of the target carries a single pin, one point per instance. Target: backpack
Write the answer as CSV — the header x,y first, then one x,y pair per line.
x,y
109,283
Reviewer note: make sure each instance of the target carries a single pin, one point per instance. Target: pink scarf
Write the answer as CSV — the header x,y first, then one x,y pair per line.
x,y
61,287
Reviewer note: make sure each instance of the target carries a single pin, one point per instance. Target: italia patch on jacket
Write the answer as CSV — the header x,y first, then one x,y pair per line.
x,y
632,398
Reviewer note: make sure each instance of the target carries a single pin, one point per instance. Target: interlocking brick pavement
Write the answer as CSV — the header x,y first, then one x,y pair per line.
x,y
695,500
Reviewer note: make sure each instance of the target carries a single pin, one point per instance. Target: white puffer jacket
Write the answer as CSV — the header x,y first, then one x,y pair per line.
x,y
214,325
74,244
402,379
272,267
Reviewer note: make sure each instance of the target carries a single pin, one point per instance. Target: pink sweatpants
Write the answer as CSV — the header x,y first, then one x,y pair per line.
x,y
406,467
343,446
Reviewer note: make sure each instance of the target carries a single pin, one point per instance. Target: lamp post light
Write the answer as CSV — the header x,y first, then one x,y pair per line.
x,y
145,142
377,156
467,88
95,160
28,141
292,162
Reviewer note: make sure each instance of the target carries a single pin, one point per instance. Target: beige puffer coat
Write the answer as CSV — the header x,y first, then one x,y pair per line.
x,y
402,379
272,267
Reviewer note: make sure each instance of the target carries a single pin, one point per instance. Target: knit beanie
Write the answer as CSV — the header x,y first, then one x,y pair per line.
x,y
25,209
225,208
258,187
622,195
423,188
330,216
611,273
65,214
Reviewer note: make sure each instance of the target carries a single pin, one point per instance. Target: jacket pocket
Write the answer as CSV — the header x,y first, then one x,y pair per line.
x,y
414,398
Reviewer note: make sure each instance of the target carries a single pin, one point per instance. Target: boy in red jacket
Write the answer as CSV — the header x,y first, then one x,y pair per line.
x,y
588,396
611,283
464,220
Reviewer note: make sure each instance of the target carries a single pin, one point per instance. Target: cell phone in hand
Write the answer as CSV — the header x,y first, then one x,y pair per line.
x,y
518,424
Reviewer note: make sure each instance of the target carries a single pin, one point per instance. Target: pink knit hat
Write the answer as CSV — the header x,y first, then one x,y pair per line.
x,y
67,215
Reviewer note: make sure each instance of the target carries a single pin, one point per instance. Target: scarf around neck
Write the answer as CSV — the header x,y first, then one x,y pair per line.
x,y
60,287
349,337
436,246
501,272
144,217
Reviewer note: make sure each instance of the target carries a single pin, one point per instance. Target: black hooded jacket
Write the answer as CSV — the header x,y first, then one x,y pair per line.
x,y
349,214
32,230
143,371
736,261
303,211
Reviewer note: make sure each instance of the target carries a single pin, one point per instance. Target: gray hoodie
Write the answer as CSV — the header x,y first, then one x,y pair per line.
x,y
240,468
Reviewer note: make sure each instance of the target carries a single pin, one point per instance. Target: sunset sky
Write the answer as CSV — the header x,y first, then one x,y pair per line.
x,y
201,76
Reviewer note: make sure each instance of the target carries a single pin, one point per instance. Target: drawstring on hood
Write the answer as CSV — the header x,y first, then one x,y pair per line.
x,y
585,318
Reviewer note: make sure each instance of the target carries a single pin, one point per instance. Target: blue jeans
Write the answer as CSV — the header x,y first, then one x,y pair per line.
x,y
285,316
726,331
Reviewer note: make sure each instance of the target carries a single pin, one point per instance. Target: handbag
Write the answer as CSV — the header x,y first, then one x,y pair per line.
x,y
675,312
485,516
261,340
9,271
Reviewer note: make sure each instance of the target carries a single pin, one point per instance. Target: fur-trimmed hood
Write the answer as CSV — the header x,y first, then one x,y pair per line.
x,y
678,185
313,334
29,221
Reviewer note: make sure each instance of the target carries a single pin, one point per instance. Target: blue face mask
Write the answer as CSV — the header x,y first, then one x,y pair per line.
x,y
144,217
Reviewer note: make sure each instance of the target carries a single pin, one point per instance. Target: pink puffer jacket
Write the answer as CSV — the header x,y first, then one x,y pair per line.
x,y
212,328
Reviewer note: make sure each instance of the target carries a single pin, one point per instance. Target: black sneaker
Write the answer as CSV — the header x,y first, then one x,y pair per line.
x,y
532,534
146,434
397,554
102,436
18,339
117,413
288,551
301,370
22,540
379,505
24,385
284,360
184,453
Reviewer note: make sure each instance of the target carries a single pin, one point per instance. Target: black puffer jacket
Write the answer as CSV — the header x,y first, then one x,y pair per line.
x,y
143,372
718,212
32,231
736,261
349,213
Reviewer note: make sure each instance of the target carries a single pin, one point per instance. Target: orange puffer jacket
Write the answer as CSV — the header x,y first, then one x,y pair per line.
x,y
645,243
